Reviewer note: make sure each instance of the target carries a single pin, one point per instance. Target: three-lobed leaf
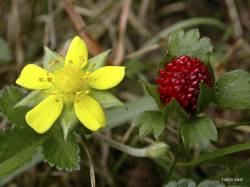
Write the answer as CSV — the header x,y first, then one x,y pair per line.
x,y
150,122
198,132
61,153
9,96
189,43
232,90
191,183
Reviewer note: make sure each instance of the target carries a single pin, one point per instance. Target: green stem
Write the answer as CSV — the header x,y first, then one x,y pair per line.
x,y
171,169
138,152
215,154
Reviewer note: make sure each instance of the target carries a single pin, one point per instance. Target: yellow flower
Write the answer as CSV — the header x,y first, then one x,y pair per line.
x,y
69,85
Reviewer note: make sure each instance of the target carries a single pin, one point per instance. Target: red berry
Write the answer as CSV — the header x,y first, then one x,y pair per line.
x,y
180,80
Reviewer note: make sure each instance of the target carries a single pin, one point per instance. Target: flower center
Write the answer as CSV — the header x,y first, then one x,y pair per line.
x,y
70,80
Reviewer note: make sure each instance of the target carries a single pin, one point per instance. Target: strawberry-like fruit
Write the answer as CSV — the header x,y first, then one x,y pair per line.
x,y
180,80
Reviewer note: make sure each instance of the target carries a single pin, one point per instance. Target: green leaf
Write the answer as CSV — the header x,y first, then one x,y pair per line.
x,y
98,61
216,154
106,99
243,173
5,55
175,110
233,90
198,132
9,96
32,99
51,60
117,116
18,146
191,183
68,119
150,122
189,43
210,183
225,161
182,183
61,153
206,96
35,160
152,91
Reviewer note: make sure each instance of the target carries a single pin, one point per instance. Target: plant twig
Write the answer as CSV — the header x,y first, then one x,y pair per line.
x,y
233,13
138,152
91,165
122,28
93,46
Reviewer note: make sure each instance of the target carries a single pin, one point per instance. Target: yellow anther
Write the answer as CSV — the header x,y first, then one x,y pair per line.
x,y
57,62
81,58
87,92
49,79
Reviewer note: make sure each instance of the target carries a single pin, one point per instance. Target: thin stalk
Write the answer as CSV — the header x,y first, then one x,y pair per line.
x,y
171,169
216,154
91,165
138,152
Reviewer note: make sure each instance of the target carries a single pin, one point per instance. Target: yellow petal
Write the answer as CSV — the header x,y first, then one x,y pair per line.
x,y
89,112
34,77
106,77
77,54
43,116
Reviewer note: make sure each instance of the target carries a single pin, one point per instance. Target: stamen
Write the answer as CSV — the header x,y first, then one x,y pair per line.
x,y
57,62
81,59
49,79
87,92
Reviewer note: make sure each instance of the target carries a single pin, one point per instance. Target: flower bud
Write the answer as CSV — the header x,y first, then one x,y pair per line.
x,y
157,150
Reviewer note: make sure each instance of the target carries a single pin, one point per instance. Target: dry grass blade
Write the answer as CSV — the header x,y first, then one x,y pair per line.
x,y
122,28
93,46
233,13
